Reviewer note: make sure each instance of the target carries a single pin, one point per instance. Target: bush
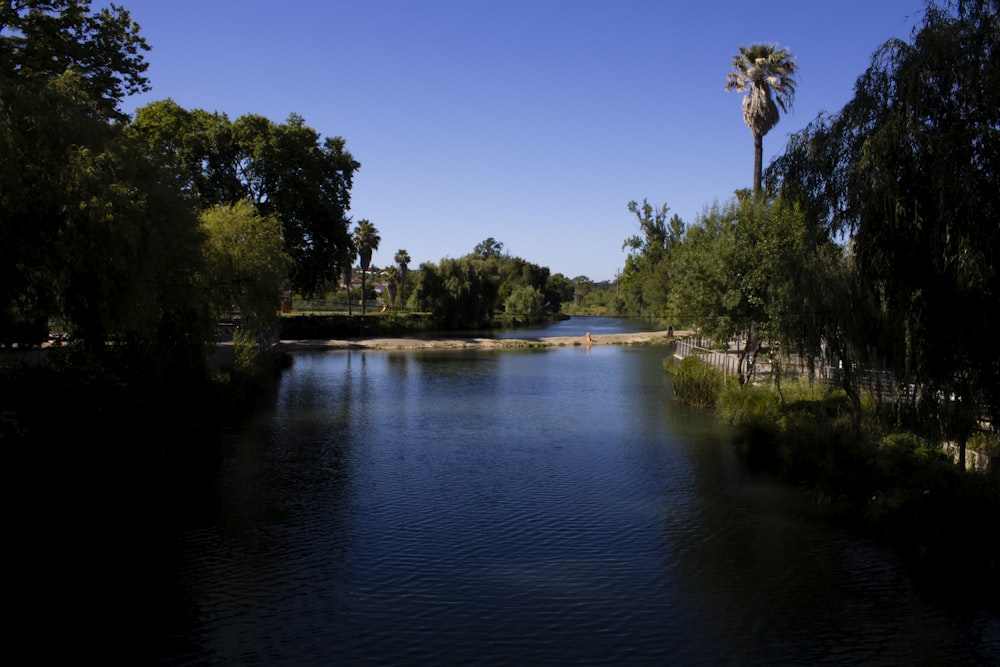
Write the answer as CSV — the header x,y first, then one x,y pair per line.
x,y
749,405
695,383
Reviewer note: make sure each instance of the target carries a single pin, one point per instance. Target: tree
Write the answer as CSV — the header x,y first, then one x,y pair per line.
x,y
41,41
402,260
285,170
461,293
366,240
349,254
645,279
908,172
246,267
488,248
704,293
391,278
764,74
525,300
63,73
558,290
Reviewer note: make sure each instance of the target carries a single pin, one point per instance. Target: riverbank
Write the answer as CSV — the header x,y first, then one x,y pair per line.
x,y
383,343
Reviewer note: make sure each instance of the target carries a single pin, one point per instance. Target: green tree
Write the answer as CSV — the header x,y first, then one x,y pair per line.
x,y
460,293
765,75
63,73
41,41
582,286
366,240
127,255
402,259
645,280
525,300
515,272
490,247
246,268
908,172
285,170
391,278
705,295
559,290
349,254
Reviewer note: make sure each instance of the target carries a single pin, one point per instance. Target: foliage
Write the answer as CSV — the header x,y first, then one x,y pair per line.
x,y
466,293
525,300
897,485
695,383
246,267
704,294
461,293
749,405
765,75
908,172
366,240
391,279
43,41
488,248
560,289
90,232
49,115
402,259
285,170
645,280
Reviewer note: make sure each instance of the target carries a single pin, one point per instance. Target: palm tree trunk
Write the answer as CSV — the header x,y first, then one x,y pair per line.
x,y
758,159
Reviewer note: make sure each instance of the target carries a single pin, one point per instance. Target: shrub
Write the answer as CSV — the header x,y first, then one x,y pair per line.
x,y
748,405
695,383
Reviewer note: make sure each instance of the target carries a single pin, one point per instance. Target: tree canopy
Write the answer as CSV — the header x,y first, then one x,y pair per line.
x,y
909,172
286,170
89,231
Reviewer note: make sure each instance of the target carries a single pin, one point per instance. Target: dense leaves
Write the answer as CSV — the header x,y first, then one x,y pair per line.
x,y
90,233
908,172
285,170
873,247
466,293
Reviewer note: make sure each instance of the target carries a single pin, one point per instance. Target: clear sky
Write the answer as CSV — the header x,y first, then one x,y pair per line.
x,y
533,122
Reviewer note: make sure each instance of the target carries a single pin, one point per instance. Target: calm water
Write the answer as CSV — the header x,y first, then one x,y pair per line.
x,y
523,507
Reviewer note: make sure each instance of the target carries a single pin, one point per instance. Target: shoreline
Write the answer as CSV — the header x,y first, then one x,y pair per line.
x,y
388,343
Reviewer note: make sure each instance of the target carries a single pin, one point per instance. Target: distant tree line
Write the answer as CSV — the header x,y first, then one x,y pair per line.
x,y
468,292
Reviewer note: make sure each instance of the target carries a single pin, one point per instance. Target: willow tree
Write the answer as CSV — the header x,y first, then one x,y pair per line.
x,y
246,267
908,171
366,239
765,75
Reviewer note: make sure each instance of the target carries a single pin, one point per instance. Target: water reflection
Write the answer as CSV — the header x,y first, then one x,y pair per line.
x,y
550,506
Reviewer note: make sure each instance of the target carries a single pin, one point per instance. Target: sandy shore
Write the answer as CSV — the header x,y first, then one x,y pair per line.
x,y
644,338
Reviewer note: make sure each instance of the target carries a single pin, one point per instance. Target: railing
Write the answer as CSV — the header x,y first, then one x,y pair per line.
x,y
727,360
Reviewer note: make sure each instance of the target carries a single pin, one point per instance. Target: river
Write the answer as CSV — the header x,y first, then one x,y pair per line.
x,y
506,507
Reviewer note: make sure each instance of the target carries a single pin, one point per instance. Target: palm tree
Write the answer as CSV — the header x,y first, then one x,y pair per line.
x,y
402,260
391,279
765,74
366,239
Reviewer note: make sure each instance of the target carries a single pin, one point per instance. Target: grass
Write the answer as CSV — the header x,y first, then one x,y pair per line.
x,y
896,486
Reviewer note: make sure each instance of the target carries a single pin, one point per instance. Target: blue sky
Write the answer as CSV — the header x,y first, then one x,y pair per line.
x,y
531,122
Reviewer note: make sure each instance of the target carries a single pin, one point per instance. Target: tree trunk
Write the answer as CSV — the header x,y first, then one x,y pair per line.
x,y
758,159
347,283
